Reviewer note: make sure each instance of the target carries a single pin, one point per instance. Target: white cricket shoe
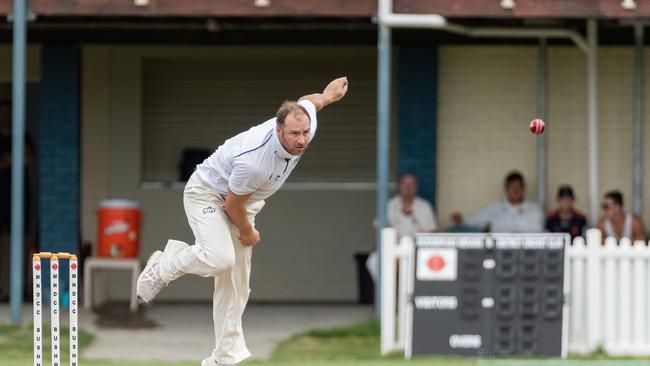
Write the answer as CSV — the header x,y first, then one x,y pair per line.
x,y
149,281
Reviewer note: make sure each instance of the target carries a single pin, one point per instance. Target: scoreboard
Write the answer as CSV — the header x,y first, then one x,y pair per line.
x,y
489,295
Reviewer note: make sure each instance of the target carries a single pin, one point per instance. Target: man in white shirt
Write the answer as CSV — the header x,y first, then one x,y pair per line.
x,y
221,200
513,215
408,214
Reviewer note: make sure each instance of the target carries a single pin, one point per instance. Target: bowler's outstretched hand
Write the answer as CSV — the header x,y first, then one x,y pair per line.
x,y
336,89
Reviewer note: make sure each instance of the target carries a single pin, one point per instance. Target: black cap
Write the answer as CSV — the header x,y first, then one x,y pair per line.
x,y
565,191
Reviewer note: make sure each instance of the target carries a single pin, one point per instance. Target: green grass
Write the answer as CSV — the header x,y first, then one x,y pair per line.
x,y
350,345
358,342
359,345
356,345
342,346
17,345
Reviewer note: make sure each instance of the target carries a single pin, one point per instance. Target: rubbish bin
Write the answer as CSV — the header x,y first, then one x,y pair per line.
x,y
366,284
118,228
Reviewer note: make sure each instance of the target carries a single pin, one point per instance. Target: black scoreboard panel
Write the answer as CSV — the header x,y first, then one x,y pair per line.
x,y
489,294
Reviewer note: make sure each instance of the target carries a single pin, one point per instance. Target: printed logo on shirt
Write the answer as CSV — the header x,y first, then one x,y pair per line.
x,y
209,210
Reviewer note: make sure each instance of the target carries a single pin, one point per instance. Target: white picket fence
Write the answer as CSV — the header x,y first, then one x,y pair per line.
x,y
396,323
608,294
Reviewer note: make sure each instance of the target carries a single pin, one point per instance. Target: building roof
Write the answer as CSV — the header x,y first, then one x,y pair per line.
x,y
503,9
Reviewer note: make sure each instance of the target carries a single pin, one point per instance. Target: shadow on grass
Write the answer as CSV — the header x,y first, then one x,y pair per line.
x,y
118,315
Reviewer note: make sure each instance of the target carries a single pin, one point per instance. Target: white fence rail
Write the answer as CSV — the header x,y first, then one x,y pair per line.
x,y
395,325
608,294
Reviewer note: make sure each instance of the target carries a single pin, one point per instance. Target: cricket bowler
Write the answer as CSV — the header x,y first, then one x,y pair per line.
x,y
221,199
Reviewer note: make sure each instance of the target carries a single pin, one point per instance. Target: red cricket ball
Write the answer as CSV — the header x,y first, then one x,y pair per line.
x,y
537,126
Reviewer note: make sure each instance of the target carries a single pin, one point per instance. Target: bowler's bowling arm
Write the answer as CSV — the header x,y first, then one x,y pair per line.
x,y
333,92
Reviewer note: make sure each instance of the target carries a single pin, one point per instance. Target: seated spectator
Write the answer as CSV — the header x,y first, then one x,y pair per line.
x,y
566,219
408,213
512,215
617,223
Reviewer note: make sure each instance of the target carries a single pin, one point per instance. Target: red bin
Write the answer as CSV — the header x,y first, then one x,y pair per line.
x,y
118,229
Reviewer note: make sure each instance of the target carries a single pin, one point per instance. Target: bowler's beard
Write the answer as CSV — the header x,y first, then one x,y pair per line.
x,y
296,152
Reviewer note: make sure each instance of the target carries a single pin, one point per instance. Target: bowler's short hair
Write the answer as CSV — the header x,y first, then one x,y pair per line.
x,y
286,109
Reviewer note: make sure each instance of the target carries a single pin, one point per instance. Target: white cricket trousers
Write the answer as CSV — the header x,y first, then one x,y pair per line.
x,y
217,253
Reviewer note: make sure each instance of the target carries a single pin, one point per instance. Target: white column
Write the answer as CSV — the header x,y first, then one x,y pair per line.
x,y
592,116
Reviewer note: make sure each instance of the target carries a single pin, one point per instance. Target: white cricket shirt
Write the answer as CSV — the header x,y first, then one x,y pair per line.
x,y
504,217
420,219
253,161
